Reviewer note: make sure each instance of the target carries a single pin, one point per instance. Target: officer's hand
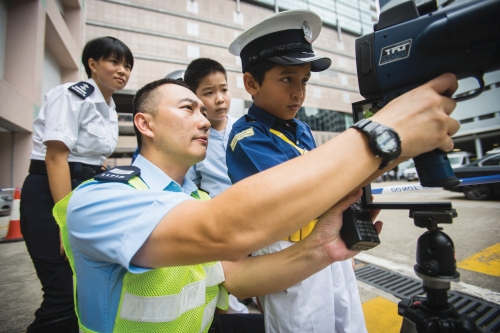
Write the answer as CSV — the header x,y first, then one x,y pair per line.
x,y
327,231
421,116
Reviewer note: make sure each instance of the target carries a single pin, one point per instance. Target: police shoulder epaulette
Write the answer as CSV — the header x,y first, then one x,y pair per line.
x,y
241,135
249,118
121,174
82,89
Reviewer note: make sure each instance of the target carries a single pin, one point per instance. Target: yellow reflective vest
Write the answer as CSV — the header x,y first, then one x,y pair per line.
x,y
171,299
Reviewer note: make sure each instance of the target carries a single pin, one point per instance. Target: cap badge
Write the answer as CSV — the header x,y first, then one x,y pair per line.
x,y
307,32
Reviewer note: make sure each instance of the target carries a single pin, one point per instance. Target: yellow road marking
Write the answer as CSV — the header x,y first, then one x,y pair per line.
x,y
5,226
381,316
487,261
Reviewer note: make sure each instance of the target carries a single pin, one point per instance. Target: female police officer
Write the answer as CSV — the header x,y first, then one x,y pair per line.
x,y
75,131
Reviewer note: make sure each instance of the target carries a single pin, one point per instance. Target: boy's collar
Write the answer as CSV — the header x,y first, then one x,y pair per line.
x,y
263,116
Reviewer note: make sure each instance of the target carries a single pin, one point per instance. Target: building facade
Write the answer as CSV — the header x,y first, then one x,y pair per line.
x,y
479,117
40,47
164,36
41,43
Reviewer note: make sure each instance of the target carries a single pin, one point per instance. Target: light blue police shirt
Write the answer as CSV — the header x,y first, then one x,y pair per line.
x,y
107,223
211,173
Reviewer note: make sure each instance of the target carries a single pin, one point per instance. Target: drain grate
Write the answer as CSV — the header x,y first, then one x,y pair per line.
x,y
396,284
485,314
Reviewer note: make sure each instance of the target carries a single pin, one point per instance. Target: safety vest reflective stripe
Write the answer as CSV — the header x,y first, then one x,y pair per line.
x,y
215,274
208,313
170,307
163,308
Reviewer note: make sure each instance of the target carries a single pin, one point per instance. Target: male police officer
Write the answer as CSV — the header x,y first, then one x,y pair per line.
x,y
146,253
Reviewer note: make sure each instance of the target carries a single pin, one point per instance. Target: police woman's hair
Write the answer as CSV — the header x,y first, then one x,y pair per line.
x,y
104,47
147,99
259,70
198,69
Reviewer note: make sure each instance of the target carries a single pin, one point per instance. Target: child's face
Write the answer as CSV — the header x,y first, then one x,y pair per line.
x,y
214,93
283,90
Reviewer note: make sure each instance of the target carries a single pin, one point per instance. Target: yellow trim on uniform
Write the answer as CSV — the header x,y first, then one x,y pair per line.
x,y
298,235
246,133
487,261
302,151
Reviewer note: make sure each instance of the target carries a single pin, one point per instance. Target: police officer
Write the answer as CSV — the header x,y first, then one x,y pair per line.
x,y
145,251
75,131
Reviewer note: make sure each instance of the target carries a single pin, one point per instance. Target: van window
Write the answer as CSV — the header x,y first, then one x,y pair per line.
x,y
456,160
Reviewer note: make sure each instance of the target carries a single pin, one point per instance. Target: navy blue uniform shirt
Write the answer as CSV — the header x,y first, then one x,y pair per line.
x,y
253,147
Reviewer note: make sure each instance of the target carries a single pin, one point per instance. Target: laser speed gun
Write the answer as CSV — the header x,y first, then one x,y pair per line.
x,y
414,42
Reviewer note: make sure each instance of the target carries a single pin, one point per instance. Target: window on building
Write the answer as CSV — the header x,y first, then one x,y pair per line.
x,y
465,121
487,116
325,120
356,17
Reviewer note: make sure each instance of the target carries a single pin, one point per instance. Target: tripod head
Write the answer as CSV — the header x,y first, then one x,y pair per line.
x,y
436,264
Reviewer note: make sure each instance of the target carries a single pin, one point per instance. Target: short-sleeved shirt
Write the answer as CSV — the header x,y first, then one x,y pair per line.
x,y
87,126
211,173
253,147
108,222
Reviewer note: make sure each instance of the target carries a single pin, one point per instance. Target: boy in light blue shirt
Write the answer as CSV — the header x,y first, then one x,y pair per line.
x,y
207,78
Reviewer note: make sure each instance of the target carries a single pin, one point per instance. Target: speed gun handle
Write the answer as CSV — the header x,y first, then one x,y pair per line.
x,y
434,169
358,231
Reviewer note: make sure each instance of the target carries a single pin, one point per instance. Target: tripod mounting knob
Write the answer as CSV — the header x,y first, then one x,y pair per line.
x,y
431,267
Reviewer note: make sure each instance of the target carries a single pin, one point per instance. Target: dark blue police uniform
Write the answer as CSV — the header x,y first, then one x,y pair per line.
x,y
255,144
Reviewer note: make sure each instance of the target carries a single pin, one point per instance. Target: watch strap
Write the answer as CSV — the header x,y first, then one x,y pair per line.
x,y
367,126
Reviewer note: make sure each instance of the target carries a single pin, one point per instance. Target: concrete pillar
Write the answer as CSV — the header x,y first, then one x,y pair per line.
x,y
24,49
479,147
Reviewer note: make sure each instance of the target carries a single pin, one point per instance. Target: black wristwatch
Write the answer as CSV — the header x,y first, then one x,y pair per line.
x,y
384,141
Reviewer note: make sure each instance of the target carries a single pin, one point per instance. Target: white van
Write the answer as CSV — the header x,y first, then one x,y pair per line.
x,y
457,159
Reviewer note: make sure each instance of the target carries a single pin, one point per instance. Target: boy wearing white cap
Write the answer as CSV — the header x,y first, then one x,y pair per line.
x,y
277,60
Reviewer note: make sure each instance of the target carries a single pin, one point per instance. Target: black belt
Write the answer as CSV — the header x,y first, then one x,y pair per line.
x,y
80,171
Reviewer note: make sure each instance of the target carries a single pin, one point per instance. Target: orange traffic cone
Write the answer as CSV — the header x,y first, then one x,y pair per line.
x,y
14,232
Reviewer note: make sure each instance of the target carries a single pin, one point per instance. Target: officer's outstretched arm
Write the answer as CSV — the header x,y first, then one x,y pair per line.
x,y
261,275
275,203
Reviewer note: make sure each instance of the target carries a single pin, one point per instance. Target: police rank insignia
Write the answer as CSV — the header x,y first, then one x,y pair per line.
x,y
246,133
82,89
307,32
121,174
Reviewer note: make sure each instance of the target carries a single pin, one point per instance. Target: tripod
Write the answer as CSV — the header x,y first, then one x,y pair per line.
x,y
436,263
436,266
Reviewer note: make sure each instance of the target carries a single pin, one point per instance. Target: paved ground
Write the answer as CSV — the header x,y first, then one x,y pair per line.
x,y
475,231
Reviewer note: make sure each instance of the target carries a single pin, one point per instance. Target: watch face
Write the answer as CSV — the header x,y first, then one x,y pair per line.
x,y
387,142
